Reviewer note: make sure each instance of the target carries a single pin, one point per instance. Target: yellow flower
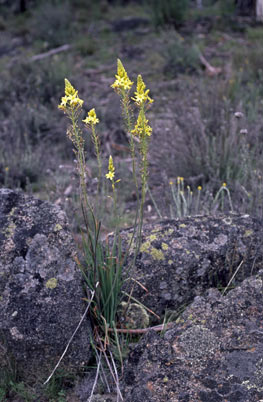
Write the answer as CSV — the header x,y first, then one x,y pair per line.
x,y
74,100
69,89
199,188
141,95
91,118
64,101
71,97
223,184
110,176
122,80
142,127
111,168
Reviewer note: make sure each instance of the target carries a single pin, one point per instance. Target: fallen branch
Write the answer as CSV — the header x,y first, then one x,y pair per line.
x,y
210,70
157,328
51,52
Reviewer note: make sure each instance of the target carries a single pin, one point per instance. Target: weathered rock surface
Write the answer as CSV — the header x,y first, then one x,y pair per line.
x,y
40,287
214,353
182,258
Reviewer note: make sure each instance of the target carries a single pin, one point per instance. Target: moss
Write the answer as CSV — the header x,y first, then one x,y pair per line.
x,y
164,246
10,230
133,315
157,254
248,233
57,227
51,283
145,247
168,232
156,230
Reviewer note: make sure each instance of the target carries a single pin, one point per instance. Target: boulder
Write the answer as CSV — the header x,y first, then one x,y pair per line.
x,y
40,288
182,258
213,353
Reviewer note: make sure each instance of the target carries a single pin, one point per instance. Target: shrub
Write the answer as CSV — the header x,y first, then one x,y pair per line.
x,y
169,12
180,56
52,22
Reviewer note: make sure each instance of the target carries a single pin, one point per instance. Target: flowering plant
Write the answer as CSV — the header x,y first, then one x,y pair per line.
x,y
103,270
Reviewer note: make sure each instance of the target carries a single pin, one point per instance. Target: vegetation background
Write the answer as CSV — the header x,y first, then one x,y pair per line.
x,y
202,61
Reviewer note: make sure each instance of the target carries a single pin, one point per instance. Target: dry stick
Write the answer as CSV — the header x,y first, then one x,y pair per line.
x,y
96,379
111,371
51,52
102,374
117,378
224,291
210,69
143,330
74,333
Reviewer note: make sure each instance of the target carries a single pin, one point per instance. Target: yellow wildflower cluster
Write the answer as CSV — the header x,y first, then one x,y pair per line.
x,y
91,119
141,95
141,127
122,81
111,173
71,98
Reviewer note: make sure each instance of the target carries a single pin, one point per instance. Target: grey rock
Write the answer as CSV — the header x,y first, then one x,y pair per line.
x,y
214,352
40,288
180,259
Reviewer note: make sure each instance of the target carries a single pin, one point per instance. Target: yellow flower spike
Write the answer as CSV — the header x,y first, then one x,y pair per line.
x,y
223,184
71,97
69,89
122,81
141,95
142,127
199,188
171,183
111,169
91,119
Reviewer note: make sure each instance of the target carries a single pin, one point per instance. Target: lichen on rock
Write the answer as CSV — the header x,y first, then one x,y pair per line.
x,y
40,287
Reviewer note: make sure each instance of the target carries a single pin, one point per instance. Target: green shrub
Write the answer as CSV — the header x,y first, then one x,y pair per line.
x,y
51,23
180,56
169,12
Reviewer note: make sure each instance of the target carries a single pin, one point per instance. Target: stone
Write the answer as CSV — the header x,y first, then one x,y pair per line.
x,y
213,353
182,258
41,288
